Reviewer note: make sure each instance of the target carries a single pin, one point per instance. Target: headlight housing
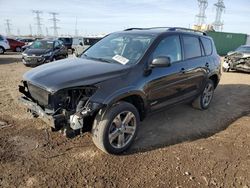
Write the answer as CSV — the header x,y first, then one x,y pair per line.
x,y
47,54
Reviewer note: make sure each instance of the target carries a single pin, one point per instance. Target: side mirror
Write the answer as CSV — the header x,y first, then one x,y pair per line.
x,y
81,44
162,61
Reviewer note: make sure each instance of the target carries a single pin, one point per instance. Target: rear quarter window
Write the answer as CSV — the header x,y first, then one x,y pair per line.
x,y
192,47
207,44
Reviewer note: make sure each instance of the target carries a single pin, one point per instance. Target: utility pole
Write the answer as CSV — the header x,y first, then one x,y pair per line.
x,y
18,32
47,32
76,30
55,20
220,7
38,22
8,29
30,29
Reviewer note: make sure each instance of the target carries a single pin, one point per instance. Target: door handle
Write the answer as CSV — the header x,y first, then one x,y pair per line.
x,y
207,64
182,70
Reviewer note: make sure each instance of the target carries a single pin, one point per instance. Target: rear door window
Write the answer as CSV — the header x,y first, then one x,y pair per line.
x,y
207,44
192,47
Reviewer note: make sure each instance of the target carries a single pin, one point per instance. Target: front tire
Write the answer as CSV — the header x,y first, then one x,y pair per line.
x,y
1,50
203,101
114,130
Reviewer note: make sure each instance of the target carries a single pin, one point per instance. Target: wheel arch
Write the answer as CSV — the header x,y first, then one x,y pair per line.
x,y
136,98
215,80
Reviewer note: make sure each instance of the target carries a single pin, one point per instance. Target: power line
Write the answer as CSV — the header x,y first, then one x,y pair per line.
x,y
55,20
38,21
8,28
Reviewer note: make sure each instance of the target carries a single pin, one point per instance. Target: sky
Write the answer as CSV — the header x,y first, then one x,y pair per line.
x,y
105,16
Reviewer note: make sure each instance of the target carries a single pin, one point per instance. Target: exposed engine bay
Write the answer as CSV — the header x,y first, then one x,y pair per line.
x,y
237,61
65,110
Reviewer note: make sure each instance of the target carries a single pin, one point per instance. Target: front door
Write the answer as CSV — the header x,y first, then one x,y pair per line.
x,y
167,84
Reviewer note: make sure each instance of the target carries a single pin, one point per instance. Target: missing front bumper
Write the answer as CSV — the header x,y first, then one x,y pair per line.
x,y
53,121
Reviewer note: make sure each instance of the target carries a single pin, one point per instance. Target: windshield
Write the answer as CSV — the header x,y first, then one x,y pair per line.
x,y
243,49
42,44
120,48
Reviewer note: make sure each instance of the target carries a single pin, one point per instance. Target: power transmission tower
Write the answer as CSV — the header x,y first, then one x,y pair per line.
x,y
38,22
8,28
30,29
201,17
220,7
55,20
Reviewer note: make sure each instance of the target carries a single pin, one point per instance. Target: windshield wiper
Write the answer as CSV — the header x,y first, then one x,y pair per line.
x,y
99,59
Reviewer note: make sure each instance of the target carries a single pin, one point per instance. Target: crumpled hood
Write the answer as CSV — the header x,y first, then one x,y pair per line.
x,y
36,52
73,72
238,54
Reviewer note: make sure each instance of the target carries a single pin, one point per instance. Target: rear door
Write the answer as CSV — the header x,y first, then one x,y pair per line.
x,y
196,61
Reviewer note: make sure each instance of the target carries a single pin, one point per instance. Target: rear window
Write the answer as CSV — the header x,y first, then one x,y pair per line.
x,y
192,47
207,44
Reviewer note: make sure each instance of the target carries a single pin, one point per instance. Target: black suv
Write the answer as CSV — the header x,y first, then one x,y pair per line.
x,y
44,51
121,79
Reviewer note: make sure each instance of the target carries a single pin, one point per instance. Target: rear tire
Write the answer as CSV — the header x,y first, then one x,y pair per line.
x,y
114,130
203,101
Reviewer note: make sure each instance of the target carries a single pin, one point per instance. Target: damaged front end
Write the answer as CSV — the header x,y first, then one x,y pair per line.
x,y
68,110
237,61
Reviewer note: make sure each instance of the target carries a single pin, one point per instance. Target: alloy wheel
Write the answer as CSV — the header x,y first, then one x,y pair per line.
x,y
18,49
122,129
207,94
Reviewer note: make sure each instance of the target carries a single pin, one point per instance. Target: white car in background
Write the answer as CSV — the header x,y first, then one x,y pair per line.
x,y
4,44
80,44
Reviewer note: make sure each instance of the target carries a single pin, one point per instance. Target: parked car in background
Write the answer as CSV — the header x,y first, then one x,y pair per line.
x,y
15,45
27,40
238,59
44,51
121,79
67,42
82,43
4,44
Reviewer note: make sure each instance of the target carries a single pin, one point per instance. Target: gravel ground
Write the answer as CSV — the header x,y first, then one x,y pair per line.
x,y
179,147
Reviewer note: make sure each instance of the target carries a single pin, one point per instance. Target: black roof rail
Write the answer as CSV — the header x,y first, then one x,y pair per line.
x,y
169,29
146,28
186,29
134,28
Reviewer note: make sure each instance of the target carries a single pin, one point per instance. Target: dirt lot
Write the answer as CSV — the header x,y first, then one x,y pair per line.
x,y
180,147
